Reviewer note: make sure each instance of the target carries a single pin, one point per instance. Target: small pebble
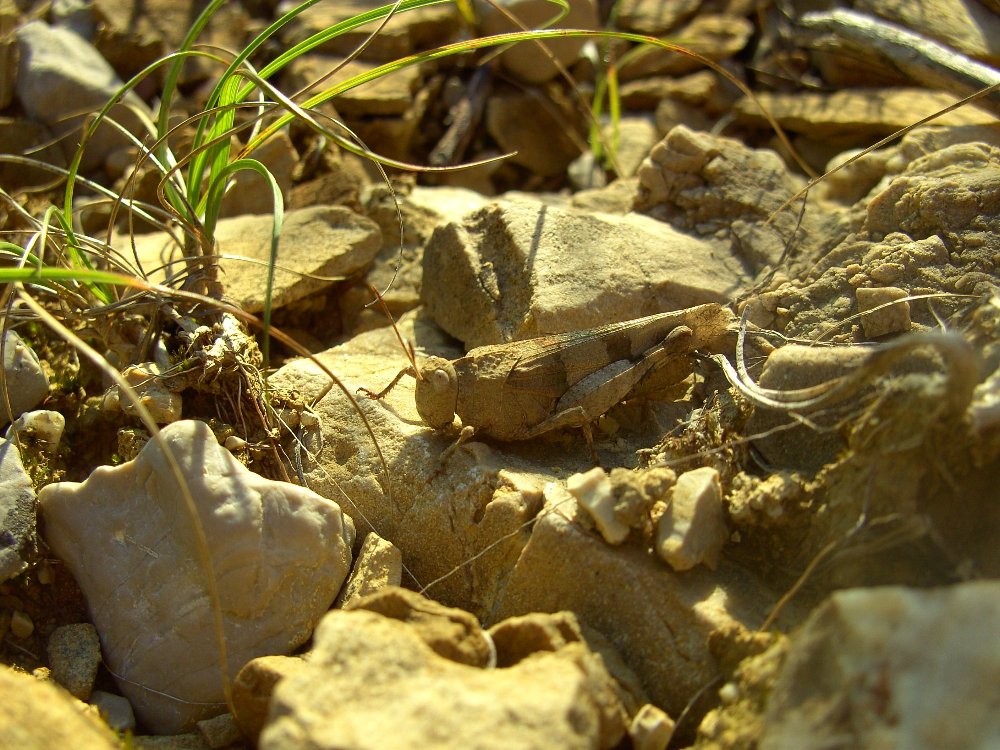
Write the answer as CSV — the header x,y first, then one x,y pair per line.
x,y
21,625
74,656
115,709
219,731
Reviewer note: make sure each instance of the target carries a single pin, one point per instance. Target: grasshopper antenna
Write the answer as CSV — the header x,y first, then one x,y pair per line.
x,y
411,355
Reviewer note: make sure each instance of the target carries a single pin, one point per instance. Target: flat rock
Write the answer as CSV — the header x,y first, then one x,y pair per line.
x,y
519,269
387,95
327,241
963,25
371,682
526,60
74,653
253,688
279,554
654,17
37,715
538,135
26,382
862,113
404,33
892,667
714,37
17,513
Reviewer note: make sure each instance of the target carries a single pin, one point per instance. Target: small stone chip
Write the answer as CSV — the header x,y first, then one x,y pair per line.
x,y
892,319
74,656
693,530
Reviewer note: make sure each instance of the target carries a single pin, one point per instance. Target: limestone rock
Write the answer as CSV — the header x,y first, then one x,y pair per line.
x,y
452,633
74,655
862,113
26,382
17,513
526,61
42,429
621,501
379,564
519,269
540,139
966,26
693,530
219,731
115,710
717,187
404,33
390,95
163,405
371,682
651,729
62,78
714,37
37,715
329,241
892,667
253,687
248,193
893,318
653,16
279,554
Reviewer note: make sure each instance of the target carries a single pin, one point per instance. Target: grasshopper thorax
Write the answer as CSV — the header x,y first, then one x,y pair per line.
x,y
437,392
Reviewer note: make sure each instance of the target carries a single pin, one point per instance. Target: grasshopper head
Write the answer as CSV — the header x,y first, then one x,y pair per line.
x,y
437,392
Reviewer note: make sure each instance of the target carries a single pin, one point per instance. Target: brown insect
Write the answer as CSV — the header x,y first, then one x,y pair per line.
x,y
521,389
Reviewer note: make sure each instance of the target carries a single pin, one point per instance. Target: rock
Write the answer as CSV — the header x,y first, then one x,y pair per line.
x,y
405,32
189,741
36,715
653,17
379,564
651,729
696,90
21,624
163,405
42,429
717,187
520,269
17,513
371,681
891,667
526,60
865,114
26,382
539,136
279,554
63,78
635,137
325,241
115,710
253,687
622,501
389,95
21,136
451,633
640,605
220,731
714,37
965,26
893,318
693,530
789,368
74,653
249,193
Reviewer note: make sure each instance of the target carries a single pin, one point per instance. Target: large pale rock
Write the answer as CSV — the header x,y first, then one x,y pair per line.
x,y
37,715
62,79
519,269
17,513
714,37
325,241
536,137
892,667
371,682
279,554
527,60
387,95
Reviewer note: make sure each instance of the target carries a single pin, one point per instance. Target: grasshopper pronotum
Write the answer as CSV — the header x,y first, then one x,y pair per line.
x,y
521,389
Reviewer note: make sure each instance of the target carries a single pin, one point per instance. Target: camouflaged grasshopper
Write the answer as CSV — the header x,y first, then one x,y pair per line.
x,y
522,389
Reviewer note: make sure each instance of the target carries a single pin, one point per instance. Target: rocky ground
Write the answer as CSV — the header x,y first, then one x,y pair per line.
x,y
784,534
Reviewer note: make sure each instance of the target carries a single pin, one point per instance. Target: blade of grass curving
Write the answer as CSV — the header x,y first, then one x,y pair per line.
x,y
215,193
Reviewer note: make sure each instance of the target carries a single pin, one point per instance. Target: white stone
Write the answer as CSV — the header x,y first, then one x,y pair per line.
x,y
693,529
651,728
44,426
593,490
115,709
279,554
892,667
17,513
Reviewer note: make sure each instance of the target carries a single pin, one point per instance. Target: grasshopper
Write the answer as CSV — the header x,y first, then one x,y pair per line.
x,y
522,389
